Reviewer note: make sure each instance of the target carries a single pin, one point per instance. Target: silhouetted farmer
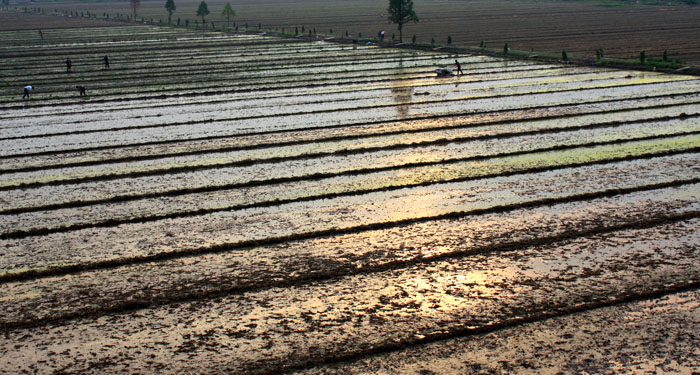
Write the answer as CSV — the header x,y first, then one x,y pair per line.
x,y
381,36
27,90
81,89
106,59
41,34
458,67
69,65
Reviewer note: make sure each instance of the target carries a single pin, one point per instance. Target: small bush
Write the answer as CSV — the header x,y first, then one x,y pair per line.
x,y
564,56
665,56
642,57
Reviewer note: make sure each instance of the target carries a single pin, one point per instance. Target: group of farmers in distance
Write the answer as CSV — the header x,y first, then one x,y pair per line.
x,y
81,88
69,68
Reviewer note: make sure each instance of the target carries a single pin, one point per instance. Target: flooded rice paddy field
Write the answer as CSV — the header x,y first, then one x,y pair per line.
x,y
248,204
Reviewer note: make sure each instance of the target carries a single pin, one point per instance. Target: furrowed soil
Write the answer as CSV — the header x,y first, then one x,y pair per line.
x,y
622,29
247,204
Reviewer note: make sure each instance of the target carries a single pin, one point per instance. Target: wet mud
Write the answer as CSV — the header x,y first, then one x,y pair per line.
x,y
303,207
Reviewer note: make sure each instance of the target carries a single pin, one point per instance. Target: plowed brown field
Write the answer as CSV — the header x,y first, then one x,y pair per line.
x,y
544,26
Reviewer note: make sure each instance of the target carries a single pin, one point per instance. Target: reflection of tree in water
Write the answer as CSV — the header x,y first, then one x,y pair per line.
x,y
401,94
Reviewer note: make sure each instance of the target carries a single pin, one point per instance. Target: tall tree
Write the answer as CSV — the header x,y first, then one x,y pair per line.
x,y
135,4
170,6
400,13
203,10
228,12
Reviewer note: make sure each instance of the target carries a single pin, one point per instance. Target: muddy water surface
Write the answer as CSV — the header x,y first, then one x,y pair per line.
x,y
257,205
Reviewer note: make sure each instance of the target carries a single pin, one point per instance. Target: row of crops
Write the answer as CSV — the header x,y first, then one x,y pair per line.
x,y
250,204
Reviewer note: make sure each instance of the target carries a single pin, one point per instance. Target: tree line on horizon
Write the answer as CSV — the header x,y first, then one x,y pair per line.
x,y
400,12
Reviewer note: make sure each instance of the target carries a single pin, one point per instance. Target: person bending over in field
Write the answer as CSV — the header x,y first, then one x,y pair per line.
x,y
27,90
106,60
69,65
458,68
81,89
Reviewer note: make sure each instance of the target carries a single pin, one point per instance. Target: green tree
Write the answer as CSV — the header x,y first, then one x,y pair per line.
x,y
203,10
228,12
400,13
135,4
170,7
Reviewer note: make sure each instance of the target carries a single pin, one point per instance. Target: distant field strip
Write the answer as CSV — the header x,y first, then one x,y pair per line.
x,y
285,204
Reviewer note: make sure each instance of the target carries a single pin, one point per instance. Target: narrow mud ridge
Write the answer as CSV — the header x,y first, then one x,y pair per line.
x,y
320,111
180,296
530,317
64,270
276,202
417,76
418,118
117,176
191,77
366,149
333,205
351,125
200,44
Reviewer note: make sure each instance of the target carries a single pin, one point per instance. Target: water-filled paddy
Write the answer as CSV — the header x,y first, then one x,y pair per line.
x,y
248,204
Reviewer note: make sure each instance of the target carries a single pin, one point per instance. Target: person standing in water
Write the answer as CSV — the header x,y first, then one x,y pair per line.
x,y
69,65
27,90
458,68
106,60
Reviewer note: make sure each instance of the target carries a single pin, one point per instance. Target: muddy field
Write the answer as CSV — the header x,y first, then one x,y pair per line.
x,y
252,205
579,27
